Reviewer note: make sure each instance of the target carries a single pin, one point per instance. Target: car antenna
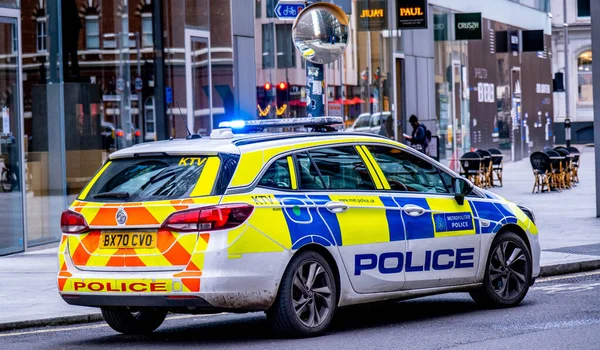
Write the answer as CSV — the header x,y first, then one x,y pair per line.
x,y
190,136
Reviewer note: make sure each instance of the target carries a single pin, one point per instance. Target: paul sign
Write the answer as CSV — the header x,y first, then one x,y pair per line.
x,y
412,14
467,26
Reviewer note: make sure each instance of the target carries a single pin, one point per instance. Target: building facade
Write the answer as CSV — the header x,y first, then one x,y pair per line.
x,y
81,78
579,84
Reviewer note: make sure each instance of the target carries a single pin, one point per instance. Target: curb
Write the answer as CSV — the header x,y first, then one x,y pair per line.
x,y
545,271
52,321
573,267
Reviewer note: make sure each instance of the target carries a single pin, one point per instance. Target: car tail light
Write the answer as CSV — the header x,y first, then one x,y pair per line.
x,y
72,222
218,217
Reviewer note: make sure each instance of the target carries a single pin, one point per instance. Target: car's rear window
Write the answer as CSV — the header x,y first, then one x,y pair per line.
x,y
147,179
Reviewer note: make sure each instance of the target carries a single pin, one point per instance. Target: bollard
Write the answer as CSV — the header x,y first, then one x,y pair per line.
x,y
568,132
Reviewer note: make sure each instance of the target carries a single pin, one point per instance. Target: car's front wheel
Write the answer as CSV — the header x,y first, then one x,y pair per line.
x,y
140,321
307,297
508,273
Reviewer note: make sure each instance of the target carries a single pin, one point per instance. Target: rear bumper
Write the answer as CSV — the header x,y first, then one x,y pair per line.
x,y
245,282
137,301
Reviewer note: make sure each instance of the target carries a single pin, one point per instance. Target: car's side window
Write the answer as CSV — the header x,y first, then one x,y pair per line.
x,y
342,168
363,121
407,172
310,178
277,176
376,121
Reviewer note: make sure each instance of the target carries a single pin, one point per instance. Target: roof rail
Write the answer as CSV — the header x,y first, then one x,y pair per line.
x,y
277,137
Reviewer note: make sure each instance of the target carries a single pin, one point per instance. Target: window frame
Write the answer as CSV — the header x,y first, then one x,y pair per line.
x,y
88,20
146,16
41,44
475,193
355,146
291,161
578,9
266,51
583,73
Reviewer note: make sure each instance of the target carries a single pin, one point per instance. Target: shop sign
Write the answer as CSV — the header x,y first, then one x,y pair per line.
x,y
514,42
467,26
485,93
542,88
372,15
335,110
412,14
440,27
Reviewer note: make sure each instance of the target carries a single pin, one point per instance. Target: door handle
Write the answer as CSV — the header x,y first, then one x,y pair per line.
x,y
414,210
336,207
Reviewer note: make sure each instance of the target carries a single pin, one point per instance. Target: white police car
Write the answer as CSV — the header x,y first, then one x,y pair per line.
x,y
294,224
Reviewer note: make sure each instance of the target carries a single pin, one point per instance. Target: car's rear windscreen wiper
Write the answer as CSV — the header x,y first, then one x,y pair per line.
x,y
112,195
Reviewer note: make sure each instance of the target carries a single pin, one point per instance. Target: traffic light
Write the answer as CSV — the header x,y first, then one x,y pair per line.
x,y
268,86
282,93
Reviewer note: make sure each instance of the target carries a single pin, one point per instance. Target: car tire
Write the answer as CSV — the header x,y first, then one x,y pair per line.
x,y
142,321
507,278
304,306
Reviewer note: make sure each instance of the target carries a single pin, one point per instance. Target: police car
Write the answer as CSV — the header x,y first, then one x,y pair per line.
x,y
294,224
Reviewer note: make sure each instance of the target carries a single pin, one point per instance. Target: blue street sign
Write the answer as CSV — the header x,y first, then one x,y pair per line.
x,y
169,94
289,9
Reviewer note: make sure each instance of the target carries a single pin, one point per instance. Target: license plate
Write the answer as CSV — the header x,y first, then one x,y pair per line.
x,y
128,240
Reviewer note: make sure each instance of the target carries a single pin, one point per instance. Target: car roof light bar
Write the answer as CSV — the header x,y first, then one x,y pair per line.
x,y
316,123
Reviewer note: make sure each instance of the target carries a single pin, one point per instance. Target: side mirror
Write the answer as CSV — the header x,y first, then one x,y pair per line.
x,y
462,188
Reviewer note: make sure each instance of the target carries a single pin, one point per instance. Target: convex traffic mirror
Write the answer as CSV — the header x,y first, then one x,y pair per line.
x,y
320,33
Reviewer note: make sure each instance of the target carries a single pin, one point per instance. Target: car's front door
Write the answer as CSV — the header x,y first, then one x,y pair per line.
x,y
364,221
442,244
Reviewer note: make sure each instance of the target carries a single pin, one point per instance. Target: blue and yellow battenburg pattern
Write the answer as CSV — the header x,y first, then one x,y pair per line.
x,y
294,220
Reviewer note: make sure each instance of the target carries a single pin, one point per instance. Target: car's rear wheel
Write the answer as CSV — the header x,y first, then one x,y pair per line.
x,y
508,273
139,321
307,297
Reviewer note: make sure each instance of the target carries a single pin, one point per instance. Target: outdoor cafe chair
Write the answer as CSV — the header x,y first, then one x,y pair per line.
x,y
540,163
566,165
575,163
471,164
557,177
486,166
497,164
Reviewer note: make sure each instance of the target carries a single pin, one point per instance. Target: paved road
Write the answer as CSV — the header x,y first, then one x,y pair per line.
x,y
559,313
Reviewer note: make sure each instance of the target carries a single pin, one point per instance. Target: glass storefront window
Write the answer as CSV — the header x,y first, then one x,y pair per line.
x,y
11,169
451,88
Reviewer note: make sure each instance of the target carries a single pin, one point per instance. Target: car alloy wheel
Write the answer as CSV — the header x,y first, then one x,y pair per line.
x,y
307,297
508,273
507,270
311,294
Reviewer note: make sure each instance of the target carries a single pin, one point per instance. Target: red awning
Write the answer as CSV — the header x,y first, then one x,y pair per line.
x,y
357,100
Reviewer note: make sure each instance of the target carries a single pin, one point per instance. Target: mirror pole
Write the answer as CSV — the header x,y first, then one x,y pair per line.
x,y
315,82
315,75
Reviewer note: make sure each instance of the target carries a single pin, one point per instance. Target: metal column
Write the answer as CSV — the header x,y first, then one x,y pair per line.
x,y
595,14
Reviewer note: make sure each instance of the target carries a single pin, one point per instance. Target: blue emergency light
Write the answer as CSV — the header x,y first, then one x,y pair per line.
x,y
319,124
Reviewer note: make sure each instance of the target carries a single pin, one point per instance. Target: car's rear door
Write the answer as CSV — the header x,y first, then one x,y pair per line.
x,y
126,203
363,220
442,242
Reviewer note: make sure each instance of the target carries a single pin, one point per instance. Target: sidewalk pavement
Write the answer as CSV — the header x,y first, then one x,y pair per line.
x,y
569,236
